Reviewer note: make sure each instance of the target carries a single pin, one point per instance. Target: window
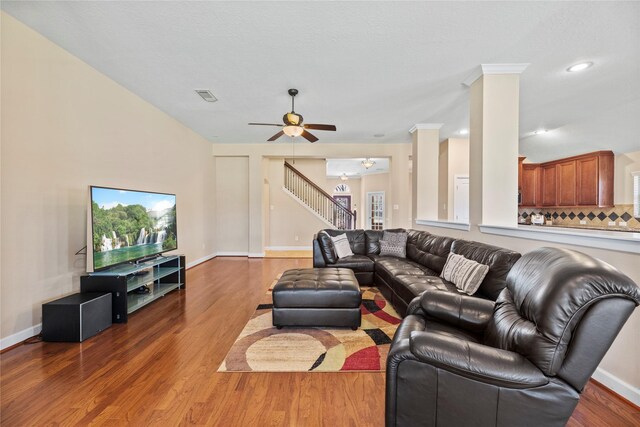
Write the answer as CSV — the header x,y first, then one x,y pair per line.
x,y
342,188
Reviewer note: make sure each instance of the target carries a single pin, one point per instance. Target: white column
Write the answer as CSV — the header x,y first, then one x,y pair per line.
x,y
426,140
493,151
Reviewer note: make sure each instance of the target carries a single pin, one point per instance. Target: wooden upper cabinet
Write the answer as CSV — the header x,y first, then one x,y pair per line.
x,y
530,184
566,181
585,180
548,180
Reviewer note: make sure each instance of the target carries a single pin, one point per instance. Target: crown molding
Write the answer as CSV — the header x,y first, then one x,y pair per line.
x,y
426,126
484,69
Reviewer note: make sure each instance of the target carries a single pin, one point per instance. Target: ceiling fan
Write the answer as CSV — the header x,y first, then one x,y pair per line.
x,y
293,124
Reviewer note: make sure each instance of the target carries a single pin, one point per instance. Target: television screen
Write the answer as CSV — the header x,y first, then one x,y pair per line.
x,y
128,225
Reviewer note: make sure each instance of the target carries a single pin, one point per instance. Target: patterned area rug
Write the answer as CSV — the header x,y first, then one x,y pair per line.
x,y
263,348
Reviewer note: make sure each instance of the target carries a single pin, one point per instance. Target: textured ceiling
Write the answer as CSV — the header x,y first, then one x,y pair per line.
x,y
367,67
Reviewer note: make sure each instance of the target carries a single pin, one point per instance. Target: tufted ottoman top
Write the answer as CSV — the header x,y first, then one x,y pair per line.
x,y
317,288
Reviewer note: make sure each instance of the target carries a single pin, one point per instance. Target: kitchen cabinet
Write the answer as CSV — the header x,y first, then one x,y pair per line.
x,y
549,182
585,180
566,181
530,190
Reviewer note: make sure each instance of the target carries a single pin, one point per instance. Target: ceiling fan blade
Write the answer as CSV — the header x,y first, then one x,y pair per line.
x,y
309,137
319,127
265,124
276,136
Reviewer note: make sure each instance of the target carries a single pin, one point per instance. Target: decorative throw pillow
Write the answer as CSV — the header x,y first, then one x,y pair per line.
x,y
341,245
466,274
393,244
393,249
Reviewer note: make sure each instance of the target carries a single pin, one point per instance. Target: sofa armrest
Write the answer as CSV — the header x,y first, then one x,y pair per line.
x,y
318,259
415,307
476,361
461,310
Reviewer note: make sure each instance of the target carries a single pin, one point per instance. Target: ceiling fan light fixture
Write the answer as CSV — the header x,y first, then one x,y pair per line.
x,y
367,163
292,131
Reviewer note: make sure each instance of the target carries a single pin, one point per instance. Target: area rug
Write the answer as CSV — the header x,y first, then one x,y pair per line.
x,y
263,348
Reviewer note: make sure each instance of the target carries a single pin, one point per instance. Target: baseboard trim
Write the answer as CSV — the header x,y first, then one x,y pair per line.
x,y
18,337
201,260
232,253
615,384
256,255
288,248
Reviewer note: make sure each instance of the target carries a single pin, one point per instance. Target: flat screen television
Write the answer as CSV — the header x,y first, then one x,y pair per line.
x,y
127,225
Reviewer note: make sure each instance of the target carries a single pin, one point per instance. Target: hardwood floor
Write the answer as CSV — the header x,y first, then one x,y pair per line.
x,y
160,369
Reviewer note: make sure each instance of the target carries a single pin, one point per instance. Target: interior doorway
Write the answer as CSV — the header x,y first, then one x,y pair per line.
x,y
375,210
461,199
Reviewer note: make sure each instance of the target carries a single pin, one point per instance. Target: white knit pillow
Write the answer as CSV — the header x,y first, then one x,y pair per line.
x,y
341,245
466,274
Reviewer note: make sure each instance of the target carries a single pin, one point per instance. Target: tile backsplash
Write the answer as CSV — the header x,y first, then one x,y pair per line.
x,y
594,217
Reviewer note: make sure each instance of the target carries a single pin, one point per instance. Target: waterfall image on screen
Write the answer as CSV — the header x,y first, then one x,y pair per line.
x,y
129,225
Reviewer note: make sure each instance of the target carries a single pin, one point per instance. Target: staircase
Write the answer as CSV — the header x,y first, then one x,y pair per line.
x,y
317,200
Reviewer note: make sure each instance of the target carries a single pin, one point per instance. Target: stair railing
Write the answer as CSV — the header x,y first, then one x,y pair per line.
x,y
317,199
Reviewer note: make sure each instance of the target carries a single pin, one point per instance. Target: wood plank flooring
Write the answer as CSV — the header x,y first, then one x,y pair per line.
x,y
160,369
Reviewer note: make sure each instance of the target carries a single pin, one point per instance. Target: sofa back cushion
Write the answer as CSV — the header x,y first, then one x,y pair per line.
x,y
548,292
326,247
373,237
428,249
499,260
356,242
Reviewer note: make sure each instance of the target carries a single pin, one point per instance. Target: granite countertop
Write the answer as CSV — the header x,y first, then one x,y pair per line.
x,y
588,227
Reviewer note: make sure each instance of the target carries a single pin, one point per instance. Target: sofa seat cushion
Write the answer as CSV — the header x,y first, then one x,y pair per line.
x,y
357,263
410,286
400,266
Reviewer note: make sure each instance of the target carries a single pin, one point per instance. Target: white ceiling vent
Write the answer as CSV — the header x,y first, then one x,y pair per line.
x,y
206,95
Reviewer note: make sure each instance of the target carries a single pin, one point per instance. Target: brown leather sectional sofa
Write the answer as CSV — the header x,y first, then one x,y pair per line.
x,y
402,279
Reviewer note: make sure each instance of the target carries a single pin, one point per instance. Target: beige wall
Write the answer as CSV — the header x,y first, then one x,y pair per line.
x,y
289,223
623,182
316,170
375,183
232,205
66,126
454,160
443,180
259,154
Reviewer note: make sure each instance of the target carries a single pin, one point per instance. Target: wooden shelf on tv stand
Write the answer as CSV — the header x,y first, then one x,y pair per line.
x,y
160,275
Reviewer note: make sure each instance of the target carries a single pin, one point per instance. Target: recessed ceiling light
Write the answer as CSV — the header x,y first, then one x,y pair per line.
x,y
579,67
379,135
463,131
540,131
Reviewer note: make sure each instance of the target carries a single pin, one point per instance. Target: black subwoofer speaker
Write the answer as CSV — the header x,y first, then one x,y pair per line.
x,y
76,317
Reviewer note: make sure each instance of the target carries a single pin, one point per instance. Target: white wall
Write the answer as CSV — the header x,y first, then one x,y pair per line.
x,y
66,126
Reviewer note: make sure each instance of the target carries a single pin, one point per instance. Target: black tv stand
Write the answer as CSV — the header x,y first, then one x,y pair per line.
x,y
160,274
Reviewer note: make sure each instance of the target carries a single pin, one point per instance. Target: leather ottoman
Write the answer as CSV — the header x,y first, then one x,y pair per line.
x,y
317,297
